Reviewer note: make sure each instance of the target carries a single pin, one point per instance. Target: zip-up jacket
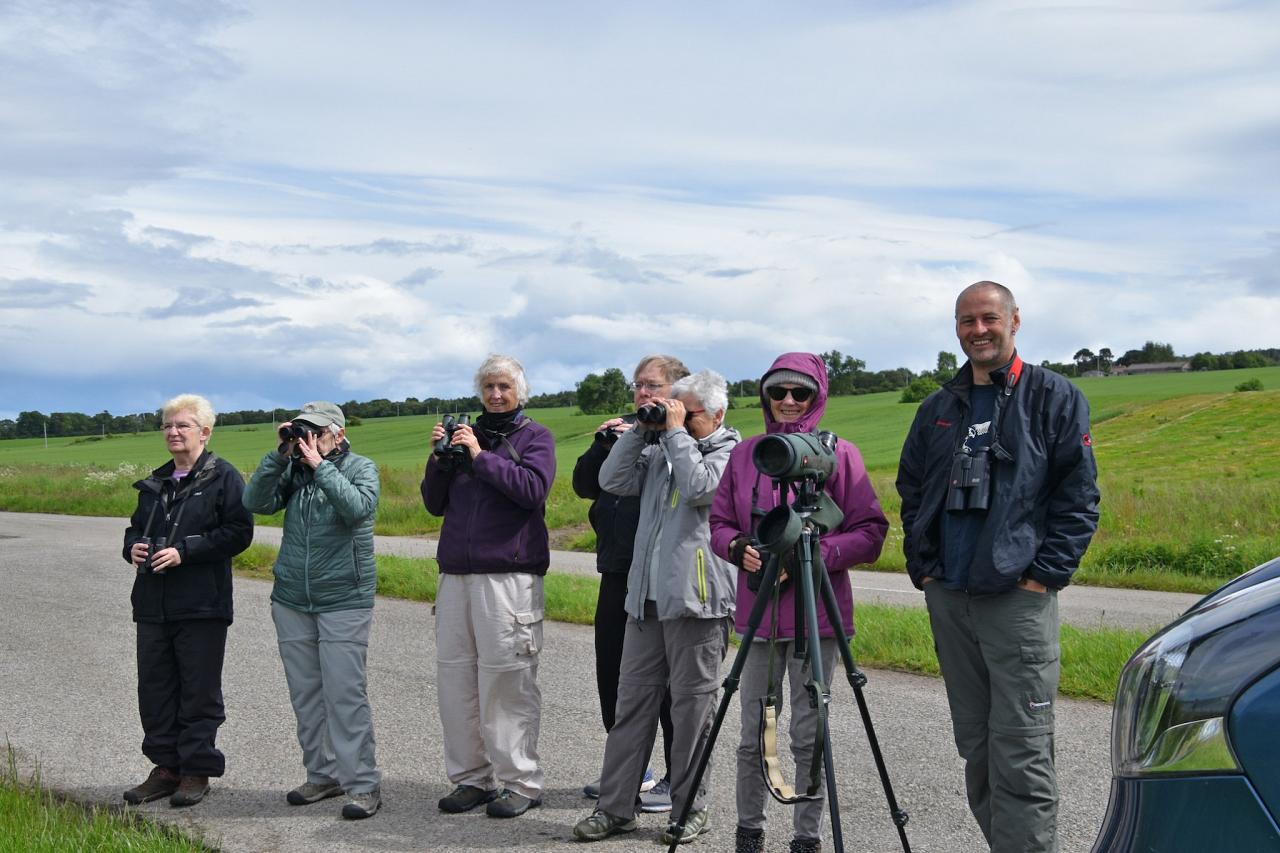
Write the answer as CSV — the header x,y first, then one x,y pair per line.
x,y
1044,492
326,553
202,517
613,517
676,480
858,538
494,507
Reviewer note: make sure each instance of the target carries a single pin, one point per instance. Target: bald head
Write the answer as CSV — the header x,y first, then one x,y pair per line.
x,y
1004,294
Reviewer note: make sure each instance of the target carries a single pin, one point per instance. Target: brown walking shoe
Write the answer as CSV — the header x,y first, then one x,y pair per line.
x,y
191,790
161,783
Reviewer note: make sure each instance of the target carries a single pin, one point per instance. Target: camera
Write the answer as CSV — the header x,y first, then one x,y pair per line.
x,y
654,414
153,547
444,451
970,486
796,456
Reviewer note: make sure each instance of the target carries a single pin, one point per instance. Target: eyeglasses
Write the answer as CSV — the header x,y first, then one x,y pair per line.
x,y
178,427
688,413
651,387
778,393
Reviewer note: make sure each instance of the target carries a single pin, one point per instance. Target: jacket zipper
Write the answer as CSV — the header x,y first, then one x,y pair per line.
x,y
702,576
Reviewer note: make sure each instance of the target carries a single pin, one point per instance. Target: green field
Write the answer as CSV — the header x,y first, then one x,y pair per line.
x,y
1189,471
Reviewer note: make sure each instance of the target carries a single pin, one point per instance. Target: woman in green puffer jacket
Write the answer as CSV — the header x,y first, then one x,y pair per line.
x,y
322,600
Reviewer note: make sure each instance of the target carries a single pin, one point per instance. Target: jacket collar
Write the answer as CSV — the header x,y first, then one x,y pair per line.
x,y
1005,378
203,468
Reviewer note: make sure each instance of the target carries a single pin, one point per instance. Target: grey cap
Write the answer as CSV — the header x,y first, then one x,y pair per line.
x,y
321,413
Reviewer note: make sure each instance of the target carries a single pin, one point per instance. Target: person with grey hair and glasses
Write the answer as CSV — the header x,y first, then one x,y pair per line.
x,y
680,600
188,525
322,600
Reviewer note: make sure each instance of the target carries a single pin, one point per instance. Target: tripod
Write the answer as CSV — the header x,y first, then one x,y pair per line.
x,y
796,529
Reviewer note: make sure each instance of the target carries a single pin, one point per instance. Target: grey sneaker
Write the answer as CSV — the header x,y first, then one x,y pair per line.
x,y
657,798
464,798
510,804
313,792
805,845
600,824
698,823
361,806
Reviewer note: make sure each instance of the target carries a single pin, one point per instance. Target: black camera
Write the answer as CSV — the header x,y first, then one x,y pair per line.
x,y
444,450
970,486
153,547
654,414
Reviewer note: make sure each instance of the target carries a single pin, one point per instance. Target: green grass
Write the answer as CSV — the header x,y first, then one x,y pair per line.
x,y
897,638
900,638
35,820
1189,472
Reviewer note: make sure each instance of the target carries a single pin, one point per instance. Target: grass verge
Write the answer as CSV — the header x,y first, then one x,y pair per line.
x,y
35,819
896,638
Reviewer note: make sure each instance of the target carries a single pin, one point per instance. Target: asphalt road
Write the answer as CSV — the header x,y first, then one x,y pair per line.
x,y
68,707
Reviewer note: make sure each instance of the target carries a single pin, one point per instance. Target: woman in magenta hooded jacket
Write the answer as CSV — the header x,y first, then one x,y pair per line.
x,y
793,397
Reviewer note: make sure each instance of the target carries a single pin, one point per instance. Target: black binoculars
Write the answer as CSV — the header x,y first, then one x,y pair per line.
x,y
970,486
445,452
153,547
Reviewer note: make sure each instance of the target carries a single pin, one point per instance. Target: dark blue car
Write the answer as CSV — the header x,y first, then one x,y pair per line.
x,y
1195,734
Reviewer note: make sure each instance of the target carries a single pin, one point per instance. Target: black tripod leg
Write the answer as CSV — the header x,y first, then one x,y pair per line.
x,y
763,594
822,692
857,680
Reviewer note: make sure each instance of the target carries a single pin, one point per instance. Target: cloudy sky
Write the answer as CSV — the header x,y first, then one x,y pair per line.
x,y
273,202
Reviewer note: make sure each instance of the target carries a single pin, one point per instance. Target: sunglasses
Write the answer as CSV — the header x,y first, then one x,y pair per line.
x,y
777,393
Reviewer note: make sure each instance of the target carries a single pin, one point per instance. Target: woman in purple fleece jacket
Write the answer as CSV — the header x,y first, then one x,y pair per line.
x,y
793,396
493,554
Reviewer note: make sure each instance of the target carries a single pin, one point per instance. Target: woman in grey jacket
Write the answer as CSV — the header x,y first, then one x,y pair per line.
x,y
679,600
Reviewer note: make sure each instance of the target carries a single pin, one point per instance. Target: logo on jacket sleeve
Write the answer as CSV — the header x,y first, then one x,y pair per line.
x,y
1087,440
940,422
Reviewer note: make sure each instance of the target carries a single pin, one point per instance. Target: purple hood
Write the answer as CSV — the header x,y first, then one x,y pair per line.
x,y
813,367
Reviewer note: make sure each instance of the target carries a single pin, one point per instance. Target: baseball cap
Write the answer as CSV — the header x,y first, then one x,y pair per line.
x,y
320,414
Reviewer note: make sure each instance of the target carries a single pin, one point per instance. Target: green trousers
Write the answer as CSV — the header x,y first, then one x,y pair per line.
x,y
999,660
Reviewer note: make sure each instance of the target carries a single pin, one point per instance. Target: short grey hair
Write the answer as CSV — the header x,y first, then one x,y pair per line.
x,y
707,387
503,365
1005,294
200,408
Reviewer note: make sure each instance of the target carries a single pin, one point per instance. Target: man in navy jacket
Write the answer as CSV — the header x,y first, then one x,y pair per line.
x,y
999,502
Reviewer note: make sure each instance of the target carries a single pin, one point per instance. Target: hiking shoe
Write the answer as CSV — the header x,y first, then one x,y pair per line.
x,y
162,782
600,824
361,806
648,782
465,798
698,823
658,798
748,841
510,804
592,789
191,790
313,792
805,845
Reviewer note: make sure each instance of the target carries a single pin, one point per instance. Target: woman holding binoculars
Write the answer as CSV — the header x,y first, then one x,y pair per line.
x,y
322,600
188,525
793,397
490,481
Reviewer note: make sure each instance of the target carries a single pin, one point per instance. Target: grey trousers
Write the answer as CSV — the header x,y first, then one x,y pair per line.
x,y
488,636
683,655
752,790
324,662
999,660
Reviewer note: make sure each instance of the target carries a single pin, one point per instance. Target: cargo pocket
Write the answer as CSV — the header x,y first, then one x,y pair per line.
x,y
527,639
1041,663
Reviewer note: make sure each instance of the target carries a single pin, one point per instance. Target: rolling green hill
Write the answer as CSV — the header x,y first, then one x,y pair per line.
x,y
1189,469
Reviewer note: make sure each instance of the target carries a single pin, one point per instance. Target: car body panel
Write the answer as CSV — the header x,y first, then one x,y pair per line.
x,y
1188,814
1255,734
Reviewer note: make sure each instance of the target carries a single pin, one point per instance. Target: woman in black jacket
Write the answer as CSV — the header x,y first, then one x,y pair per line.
x,y
188,525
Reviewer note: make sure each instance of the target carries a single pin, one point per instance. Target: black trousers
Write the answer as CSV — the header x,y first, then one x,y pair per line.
x,y
180,694
611,628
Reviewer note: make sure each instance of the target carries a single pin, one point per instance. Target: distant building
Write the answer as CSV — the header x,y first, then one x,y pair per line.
x,y
1155,367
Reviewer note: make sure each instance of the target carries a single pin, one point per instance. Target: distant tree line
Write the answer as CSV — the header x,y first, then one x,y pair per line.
x,y
610,392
